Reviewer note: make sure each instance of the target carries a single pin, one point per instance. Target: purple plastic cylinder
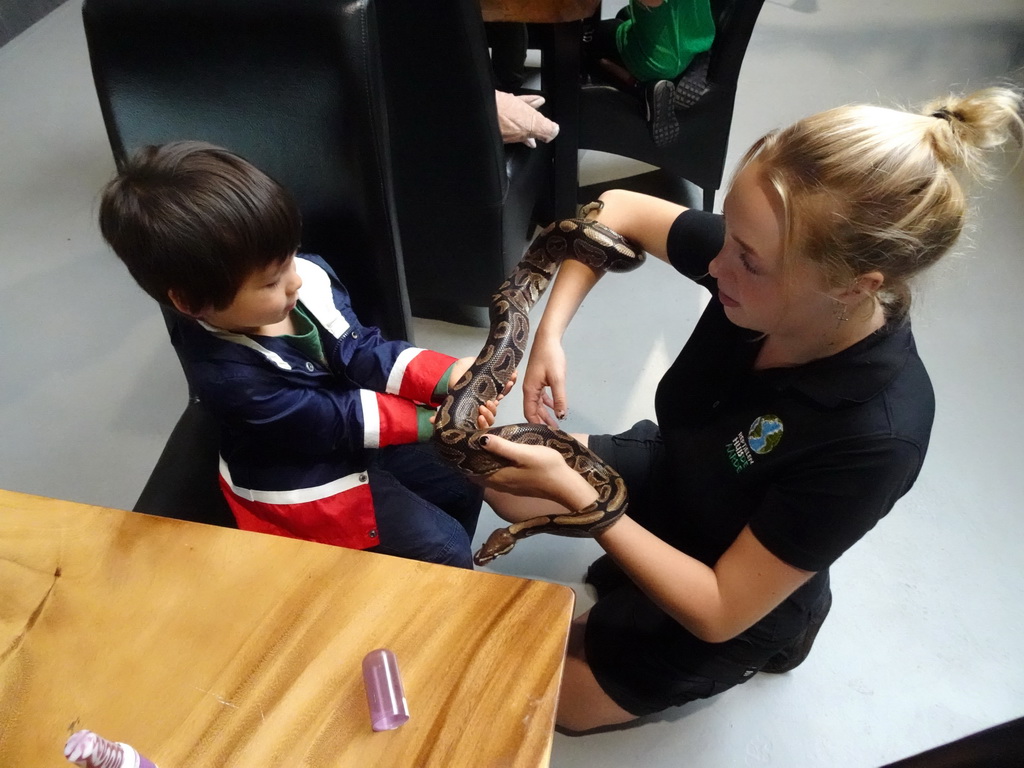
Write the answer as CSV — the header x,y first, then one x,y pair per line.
x,y
89,750
384,691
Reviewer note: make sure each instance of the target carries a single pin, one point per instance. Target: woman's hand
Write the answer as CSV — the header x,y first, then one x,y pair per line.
x,y
544,383
538,471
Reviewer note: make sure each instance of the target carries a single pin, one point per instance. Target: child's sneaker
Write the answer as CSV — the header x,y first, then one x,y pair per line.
x,y
659,100
693,83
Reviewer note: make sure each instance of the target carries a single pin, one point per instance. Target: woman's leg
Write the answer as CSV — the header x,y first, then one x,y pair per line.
x,y
582,703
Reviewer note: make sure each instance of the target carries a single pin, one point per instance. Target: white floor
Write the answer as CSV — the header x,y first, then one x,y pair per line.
x,y
925,640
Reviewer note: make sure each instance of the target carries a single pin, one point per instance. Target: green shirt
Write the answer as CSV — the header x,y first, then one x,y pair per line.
x,y
307,337
658,43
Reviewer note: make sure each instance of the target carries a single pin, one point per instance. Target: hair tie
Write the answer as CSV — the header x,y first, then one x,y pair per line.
x,y
945,114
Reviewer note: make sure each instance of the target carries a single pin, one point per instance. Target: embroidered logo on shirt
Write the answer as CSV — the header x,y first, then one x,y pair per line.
x,y
764,434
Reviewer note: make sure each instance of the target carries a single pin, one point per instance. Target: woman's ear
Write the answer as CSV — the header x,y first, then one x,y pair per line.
x,y
861,287
870,282
180,305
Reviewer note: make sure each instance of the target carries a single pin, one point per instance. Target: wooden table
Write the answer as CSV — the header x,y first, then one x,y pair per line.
x,y
560,73
538,11
206,646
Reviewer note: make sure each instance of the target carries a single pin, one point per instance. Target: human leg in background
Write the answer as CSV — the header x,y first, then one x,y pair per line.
x,y
507,41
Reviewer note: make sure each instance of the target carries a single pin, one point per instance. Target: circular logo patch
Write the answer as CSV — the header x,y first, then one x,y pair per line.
x,y
765,433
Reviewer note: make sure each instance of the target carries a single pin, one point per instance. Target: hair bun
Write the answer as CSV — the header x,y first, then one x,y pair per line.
x,y
980,121
947,114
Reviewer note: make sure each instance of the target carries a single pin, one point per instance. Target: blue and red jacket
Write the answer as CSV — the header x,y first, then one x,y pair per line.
x,y
295,430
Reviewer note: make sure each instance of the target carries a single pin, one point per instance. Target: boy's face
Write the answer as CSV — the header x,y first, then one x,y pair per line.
x,y
263,302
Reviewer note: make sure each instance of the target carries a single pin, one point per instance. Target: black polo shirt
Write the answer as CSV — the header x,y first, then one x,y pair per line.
x,y
811,457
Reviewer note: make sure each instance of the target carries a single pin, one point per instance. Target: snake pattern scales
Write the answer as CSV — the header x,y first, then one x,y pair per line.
x,y
455,431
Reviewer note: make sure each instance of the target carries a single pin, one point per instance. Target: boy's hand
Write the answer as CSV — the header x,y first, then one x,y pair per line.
x,y
463,364
485,420
459,368
488,412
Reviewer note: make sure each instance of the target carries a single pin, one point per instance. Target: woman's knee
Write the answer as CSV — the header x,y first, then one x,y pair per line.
x,y
582,704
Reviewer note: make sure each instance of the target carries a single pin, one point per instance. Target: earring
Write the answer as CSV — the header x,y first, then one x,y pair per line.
x,y
839,313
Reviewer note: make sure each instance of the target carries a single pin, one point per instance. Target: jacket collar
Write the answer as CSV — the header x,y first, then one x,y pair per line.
x,y
316,296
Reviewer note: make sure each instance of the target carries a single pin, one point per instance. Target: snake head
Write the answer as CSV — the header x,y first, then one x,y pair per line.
x,y
498,543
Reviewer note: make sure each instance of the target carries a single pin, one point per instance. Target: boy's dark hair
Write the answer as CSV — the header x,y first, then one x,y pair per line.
x,y
196,219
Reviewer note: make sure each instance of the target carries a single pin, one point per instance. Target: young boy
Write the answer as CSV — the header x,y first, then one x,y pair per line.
x,y
321,417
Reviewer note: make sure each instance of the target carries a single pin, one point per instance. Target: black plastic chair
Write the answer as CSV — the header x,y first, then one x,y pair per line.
x,y
612,120
467,203
295,87
1001,746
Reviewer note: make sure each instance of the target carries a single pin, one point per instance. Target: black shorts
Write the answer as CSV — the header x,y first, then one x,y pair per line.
x,y
638,454
642,658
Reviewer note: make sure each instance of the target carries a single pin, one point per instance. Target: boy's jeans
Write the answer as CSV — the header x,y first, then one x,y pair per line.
x,y
425,509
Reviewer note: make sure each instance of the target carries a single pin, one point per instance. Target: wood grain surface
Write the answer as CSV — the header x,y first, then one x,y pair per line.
x,y
205,646
538,11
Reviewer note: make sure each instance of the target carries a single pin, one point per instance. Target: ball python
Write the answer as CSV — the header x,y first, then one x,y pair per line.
x,y
455,431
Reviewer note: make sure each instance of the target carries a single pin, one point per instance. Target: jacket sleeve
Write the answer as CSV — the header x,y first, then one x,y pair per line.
x,y
313,420
361,354
393,367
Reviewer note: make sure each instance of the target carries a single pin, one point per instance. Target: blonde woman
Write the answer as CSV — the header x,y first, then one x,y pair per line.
x,y
793,419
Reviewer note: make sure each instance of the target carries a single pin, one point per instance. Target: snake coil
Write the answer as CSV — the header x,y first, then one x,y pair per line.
x,y
455,432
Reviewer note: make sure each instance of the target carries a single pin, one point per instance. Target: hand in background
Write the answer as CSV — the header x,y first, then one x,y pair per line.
x,y
519,120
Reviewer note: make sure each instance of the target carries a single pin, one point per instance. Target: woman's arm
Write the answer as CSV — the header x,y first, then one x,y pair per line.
x,y
643,219
714,603
640,218
717,603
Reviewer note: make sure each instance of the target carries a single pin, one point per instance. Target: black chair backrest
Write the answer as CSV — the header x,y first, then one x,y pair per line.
x,y
465,200
612,121
734,24
294,86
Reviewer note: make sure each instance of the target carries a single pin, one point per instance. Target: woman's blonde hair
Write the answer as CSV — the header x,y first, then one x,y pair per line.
x,y
866,188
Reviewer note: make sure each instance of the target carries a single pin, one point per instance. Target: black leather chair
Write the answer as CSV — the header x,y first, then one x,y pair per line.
x,y
612,120
467,203
295,87
1001,746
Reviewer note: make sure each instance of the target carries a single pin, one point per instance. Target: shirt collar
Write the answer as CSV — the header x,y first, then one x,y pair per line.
x,y
854,375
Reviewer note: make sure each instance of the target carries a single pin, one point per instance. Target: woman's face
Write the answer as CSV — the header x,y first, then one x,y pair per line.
x,y
759,289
